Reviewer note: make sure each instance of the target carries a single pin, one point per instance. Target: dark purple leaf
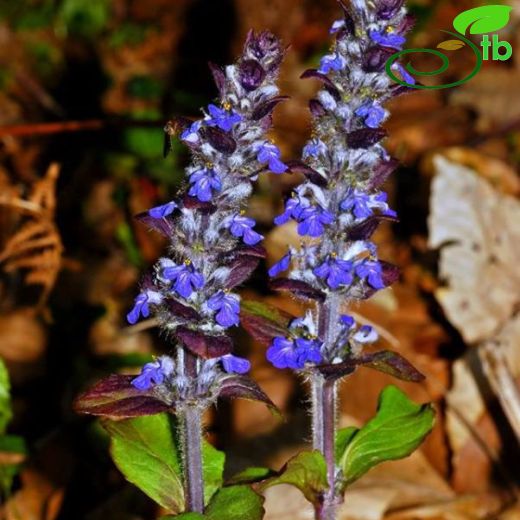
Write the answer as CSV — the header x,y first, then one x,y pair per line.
x,y
264,322
365,137
243,387
382,172
313,73
241,269
376,57
266,108
194,203
385,361
393,364
162,225
300,167
364,230
316,108
263,43
182,311
251,74
219,139
407,24
115,397
257,251
399,90
204,346
218,76
297,287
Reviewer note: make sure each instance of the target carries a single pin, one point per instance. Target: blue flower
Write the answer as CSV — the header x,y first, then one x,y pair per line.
x,y
332,62
314,148
242,227
381,199
293,353
373,114
347,321
269,154
281,265
357,201
336,272
190,135
405,76
202,182
154,373
235,365
366,334
224,119
372,271
312,221
293,209
388,39
186,278
141,305
162,211
228,306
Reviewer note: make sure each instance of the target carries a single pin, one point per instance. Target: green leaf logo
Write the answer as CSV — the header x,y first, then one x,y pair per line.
x,y
451,45
482,20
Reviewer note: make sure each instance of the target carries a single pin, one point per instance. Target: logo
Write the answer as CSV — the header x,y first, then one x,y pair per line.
x,y
480,20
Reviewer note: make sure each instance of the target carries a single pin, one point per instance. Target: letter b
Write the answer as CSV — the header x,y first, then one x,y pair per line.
x,y
497,44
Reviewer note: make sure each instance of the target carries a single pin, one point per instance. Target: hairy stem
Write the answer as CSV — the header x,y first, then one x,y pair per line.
x,y
324,402
324,435
191,423
194,483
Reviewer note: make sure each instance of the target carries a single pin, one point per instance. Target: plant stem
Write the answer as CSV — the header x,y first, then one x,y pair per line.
x,y
324,401
191,423
194,483
324,435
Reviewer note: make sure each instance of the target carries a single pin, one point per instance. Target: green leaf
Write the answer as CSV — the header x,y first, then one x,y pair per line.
x,y
235,503
482,20
5,398
307,471
398,428
343,437
451,45
213,469
146,451
251,475
184,516
13,452
84,17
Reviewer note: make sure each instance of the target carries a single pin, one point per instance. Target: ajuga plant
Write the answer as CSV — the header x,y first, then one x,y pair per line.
x,y
337,209
213,247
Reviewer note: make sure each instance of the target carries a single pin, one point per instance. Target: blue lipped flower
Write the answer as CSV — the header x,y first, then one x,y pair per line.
x,y
293,353
312,221
235,365
162,211
357,201
293,209
347,321
202,182
280,266
141,305
373,114
268,153
372,271
380,200
314,148
154,373
223,118
336,272
242,227
388,39
186,278
190,134
228,307
332,62
405,76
